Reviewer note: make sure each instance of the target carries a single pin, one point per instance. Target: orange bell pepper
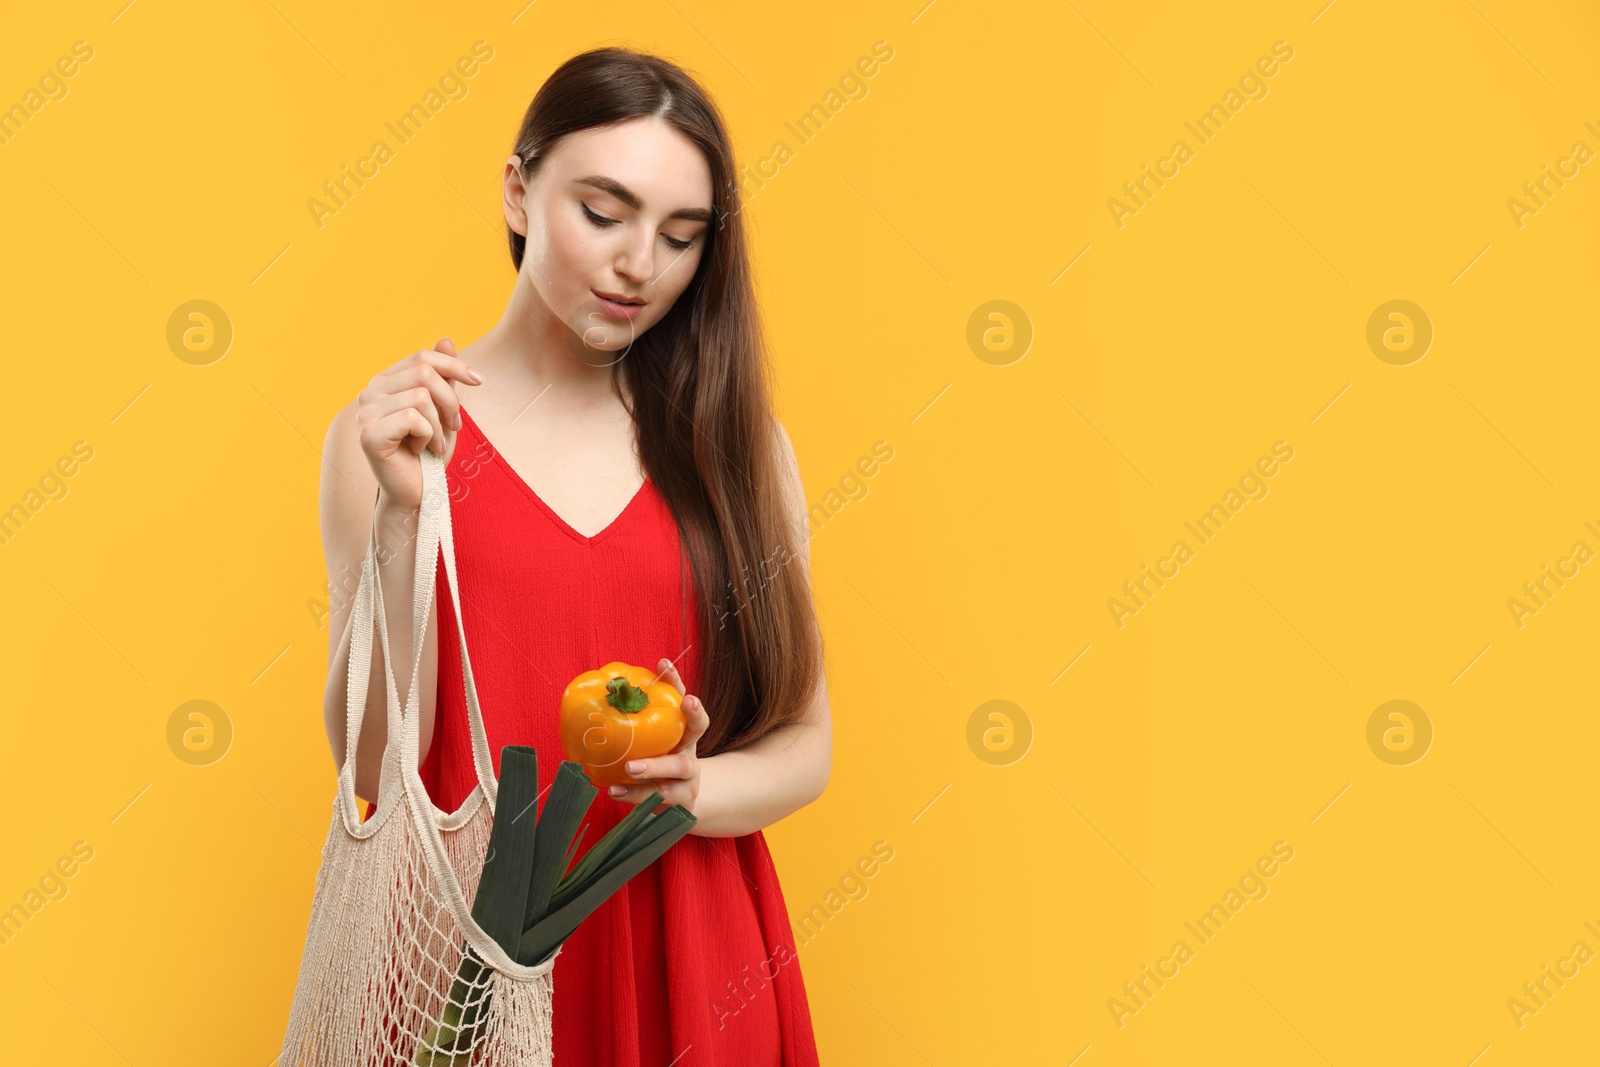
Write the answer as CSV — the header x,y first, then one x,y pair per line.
x,y
616,714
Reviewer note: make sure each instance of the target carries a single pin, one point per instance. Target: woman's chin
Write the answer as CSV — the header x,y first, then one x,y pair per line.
x,y
607,344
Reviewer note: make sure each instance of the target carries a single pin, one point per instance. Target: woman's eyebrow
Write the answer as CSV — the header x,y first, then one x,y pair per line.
x,y
629,197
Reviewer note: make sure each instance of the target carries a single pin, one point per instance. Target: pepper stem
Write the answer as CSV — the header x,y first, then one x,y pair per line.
x,y
625,696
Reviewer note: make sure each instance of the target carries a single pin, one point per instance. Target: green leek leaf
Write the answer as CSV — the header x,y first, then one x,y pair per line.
x,y
570,797
543,939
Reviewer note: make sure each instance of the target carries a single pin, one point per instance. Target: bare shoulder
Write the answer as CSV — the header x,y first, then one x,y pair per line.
x,y
347,494
346,477
785,449
793,489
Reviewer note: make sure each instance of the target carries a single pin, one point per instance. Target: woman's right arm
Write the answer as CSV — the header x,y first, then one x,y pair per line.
x,y
371,468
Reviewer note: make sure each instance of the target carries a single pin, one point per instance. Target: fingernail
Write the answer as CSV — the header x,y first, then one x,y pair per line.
x,y
636,767
617,790
475,376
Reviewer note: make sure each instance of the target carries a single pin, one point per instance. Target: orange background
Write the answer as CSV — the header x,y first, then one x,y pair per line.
x,y
1045,450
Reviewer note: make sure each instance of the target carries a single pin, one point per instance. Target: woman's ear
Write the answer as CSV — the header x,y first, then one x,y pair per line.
x,y
516,192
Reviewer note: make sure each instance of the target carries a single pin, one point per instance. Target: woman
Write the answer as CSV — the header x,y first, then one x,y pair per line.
x,y
620,490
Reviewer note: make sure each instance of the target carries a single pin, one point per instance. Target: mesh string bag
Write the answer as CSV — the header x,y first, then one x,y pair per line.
x,y
381,980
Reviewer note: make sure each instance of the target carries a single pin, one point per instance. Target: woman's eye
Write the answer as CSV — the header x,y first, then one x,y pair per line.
x,y
602,222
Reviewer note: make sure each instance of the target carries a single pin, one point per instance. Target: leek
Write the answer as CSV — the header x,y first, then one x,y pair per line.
x,y
531,896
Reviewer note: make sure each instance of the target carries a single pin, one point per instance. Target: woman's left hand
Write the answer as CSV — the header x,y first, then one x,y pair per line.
x,y
676,775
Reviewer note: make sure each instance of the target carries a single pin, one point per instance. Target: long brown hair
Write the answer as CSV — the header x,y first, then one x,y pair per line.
x,y
702,412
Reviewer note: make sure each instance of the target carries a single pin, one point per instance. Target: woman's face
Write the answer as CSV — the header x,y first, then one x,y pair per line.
x,y
623,211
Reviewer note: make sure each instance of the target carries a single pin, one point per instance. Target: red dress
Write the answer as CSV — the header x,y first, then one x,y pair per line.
x,y
692,963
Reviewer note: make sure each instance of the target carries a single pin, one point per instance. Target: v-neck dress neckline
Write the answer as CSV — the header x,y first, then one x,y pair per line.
x,y
539,502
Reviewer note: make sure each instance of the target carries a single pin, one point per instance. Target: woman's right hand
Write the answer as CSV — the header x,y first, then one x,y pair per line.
x,y
406,408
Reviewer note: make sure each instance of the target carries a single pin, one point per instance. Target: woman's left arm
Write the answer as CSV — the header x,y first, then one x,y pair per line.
x,y
748,788
752,787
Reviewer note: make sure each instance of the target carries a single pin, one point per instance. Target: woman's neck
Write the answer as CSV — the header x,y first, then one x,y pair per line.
x,y
530,350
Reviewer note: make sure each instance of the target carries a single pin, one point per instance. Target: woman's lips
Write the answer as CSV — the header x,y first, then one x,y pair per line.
x,y
616,310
